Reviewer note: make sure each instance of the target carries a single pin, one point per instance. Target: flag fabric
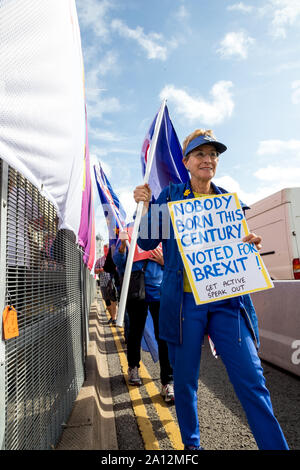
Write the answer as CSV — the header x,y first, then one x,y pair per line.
x,y
149,343
113,211
139,253
92,246
167,162
212,347
86,234
167,166
116,220
115,214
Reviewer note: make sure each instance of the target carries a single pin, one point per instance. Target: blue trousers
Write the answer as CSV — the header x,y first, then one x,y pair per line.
x,y
225,326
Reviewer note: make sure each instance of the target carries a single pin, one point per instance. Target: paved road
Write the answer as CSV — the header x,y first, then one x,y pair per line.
x,y
222,421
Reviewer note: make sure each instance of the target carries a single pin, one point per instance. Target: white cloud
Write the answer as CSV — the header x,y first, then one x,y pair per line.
x,y
231,185
98,103
264,188
279,68
151,43
92,15
235,44
285,169
182,13
288,175
107,64
284,13
296,92
209,111
228,183
282,172
290,148
240,7
106,150
97,68
94,160
104,135
128,202
106,168
97,106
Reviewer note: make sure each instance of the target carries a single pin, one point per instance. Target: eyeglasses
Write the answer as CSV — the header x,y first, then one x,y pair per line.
x,y
199,154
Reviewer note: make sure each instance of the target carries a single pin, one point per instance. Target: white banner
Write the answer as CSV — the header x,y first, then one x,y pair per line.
x,y
42,118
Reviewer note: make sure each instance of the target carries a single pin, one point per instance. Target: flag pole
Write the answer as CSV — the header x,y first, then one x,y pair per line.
x,y
140,205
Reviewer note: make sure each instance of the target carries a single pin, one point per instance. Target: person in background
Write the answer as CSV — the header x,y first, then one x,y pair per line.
x,y
137,312
230,323
110,267
107,286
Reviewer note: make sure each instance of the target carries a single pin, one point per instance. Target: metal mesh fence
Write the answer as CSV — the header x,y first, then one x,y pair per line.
x,y
51,290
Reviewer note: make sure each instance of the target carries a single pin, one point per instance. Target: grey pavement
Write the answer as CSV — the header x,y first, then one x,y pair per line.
x,y
103,416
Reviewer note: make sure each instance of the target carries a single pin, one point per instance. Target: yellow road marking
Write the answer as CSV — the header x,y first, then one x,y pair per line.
x,y
163,412
143,420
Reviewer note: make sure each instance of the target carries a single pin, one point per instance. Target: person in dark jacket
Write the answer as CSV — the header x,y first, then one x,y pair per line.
x,y
138,310
231,323
107,285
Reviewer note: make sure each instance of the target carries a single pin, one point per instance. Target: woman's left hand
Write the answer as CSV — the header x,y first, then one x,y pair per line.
x,y
156,255
253,238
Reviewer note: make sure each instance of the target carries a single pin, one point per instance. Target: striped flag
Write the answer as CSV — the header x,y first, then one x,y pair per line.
x,y
167,162
113,211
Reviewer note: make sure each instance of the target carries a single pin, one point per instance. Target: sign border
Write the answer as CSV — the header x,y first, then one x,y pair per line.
x,y
269,284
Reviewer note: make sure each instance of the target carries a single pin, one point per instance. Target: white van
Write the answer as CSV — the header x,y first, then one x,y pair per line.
x,y
277,219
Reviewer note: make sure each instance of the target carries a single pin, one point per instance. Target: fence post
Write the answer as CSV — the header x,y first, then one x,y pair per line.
x,y
3,224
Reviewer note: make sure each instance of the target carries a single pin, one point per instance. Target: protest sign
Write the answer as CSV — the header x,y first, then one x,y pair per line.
x,y
219,265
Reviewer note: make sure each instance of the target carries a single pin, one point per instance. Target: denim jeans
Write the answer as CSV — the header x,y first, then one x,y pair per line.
x,y
233,341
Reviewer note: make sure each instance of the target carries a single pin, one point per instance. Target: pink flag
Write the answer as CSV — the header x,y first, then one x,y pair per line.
x,y
86,234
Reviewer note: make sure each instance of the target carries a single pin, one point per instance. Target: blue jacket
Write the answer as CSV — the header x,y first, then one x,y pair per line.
x,y
153,273
170,321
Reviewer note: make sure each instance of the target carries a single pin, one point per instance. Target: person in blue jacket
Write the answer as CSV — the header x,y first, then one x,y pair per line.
x,y
231,323
137,312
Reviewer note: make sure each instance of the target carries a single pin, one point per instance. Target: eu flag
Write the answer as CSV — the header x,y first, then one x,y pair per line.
x,y
167,162
113,211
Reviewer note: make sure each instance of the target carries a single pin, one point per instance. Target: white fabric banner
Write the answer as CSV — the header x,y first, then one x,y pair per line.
x,y
42,117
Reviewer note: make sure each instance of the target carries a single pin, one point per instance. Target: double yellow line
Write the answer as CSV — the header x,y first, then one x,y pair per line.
x,y
143,420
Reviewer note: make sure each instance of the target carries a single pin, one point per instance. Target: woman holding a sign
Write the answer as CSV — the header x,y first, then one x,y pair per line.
x,y
193,259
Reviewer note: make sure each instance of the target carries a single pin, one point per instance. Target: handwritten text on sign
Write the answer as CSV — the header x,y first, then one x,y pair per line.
x,y
209,232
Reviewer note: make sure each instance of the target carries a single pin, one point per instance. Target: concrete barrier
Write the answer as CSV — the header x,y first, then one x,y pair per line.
x,y
278,312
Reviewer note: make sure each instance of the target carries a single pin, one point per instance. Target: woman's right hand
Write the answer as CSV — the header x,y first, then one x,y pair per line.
x,y
142,193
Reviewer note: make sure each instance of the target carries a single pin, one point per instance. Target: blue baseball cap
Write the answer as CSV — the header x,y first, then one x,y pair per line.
x,y
204,139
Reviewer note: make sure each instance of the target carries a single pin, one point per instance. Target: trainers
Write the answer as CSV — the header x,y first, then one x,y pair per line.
x,y
133,376
167,392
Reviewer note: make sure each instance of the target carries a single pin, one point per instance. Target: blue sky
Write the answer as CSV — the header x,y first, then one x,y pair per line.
x,y
230,66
